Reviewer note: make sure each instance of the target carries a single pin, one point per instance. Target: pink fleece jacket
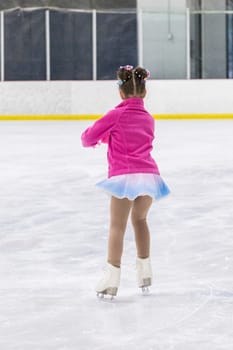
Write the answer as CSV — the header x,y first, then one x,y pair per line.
x,y
128,130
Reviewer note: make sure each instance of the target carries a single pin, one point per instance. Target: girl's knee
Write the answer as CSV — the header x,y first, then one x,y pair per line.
x,y
138,220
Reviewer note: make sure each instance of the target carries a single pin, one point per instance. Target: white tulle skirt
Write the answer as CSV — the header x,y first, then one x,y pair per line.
x,y
133,185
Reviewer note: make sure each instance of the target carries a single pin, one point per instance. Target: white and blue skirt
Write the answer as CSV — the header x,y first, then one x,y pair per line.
x,y
132,186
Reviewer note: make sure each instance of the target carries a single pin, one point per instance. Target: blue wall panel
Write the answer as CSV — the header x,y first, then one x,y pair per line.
x,y
116,42
71,45
24,36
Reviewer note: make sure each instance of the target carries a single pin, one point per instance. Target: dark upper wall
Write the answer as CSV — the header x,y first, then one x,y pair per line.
x,y
72,4
71,44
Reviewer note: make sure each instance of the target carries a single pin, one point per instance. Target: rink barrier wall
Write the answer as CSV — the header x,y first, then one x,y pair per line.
x,y
88,100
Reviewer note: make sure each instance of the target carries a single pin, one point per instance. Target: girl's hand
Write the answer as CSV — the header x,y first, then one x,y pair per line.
x,y
105,139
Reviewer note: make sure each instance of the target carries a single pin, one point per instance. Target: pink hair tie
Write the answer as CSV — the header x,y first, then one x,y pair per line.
x,y
148,73
127,67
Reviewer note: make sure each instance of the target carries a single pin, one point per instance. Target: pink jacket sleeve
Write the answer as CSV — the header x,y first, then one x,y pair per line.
x,y
99,132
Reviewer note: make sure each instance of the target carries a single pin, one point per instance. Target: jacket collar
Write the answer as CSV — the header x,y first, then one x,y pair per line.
x,y
136,101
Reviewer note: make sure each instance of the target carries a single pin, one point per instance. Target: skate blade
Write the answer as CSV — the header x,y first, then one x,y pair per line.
x,y
111,291
146,282
145,291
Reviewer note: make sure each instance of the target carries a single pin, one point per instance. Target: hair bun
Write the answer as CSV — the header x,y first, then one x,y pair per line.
x,y
125,73
141,73
132,80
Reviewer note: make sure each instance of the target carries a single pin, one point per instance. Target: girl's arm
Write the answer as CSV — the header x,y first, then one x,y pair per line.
x,y
100,130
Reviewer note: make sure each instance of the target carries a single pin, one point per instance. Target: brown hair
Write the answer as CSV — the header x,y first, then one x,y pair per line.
x,y
132,81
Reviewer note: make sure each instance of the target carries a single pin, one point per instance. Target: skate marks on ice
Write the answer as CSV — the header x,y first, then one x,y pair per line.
x,y
54,233
201,314
74,317
186,317
177,307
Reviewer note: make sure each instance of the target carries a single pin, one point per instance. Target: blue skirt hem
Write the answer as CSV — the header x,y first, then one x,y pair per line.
x,y
132,186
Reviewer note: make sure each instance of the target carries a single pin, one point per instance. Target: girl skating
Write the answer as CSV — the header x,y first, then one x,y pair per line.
x,y
133,176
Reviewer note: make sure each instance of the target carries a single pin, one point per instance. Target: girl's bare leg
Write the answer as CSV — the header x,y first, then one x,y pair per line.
x,y
119,211
140,208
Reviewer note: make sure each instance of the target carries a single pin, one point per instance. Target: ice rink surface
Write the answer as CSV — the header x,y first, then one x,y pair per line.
x,y
54,227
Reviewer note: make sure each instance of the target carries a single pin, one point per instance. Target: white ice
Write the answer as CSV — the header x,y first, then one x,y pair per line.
x,y
54,228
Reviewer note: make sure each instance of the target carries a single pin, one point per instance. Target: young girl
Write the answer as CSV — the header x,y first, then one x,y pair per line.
x,y
133,176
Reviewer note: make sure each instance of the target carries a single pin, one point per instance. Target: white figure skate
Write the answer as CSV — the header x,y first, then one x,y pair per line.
x,y
110,282
144,274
